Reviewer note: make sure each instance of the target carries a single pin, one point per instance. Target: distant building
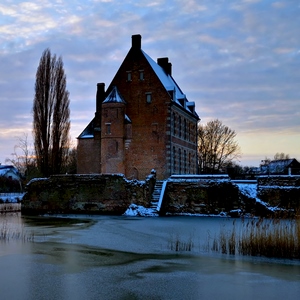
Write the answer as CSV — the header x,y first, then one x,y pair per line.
x,y
10,172
143,121
10,179
281,167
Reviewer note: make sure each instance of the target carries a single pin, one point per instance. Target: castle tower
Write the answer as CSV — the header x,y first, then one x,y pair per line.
x,y
113,133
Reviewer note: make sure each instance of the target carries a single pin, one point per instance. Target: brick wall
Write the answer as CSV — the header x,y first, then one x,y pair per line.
x,y
148,147
112,138
153,142
88,156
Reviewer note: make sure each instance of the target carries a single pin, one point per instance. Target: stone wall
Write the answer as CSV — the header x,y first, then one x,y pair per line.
x,y
86,194
113,194
280,191
205,196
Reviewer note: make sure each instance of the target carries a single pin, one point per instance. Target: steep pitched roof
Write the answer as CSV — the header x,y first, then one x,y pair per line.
x,y
171,86
88,132
8,170
279,166
114,97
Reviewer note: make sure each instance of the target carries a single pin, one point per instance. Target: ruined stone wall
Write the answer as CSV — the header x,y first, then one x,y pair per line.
x,y
281,191
112,194
201,196
98,194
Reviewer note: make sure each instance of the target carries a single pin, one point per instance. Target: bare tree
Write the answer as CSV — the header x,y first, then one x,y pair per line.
x,y
51,115
216,146
277,156
280,156
23,157
70,165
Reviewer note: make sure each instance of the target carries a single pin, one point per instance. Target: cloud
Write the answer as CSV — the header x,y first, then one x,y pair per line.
x,y
239,62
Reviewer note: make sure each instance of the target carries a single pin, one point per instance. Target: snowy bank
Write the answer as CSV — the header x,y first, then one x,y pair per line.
x,y
11,197
140,211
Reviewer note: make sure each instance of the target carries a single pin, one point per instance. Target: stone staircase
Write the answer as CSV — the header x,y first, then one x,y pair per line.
x,y
156,194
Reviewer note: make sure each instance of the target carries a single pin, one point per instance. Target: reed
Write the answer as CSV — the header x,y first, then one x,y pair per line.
x,y
262,237
179,245
8,233
10,207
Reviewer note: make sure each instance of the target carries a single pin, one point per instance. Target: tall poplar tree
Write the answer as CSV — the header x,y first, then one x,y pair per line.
x,y
51,115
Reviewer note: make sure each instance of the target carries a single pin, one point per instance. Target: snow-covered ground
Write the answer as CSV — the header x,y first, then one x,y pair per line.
x,y
140,211
11,197
250,190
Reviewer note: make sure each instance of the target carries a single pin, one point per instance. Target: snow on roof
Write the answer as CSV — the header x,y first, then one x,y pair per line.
x,y
7,170
114,97
169,84
88,132
127,119
3,172
277,166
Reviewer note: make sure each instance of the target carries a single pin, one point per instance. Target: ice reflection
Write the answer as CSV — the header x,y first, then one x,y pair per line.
x,y
102,257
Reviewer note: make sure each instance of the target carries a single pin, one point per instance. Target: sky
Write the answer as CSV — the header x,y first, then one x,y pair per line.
x,y
239,61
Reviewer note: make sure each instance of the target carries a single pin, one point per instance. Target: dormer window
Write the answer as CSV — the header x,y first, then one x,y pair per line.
x,y
129,77
172,93
141,75
182,102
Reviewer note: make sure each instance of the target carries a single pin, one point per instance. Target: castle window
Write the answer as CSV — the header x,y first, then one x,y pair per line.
x,y
174,124
148,97
141,75
174,160
154,127
179,159
129,78
107,126
184,128
179,126
184,161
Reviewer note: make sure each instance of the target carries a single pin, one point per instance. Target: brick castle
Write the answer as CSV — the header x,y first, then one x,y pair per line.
x,y
143,121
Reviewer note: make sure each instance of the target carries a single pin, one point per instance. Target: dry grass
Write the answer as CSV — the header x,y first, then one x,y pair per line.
x,y
8,233
262,237
10,207
178,245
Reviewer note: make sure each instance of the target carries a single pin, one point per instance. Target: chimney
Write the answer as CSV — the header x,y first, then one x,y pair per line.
x,y
165,64
136,41
100,96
